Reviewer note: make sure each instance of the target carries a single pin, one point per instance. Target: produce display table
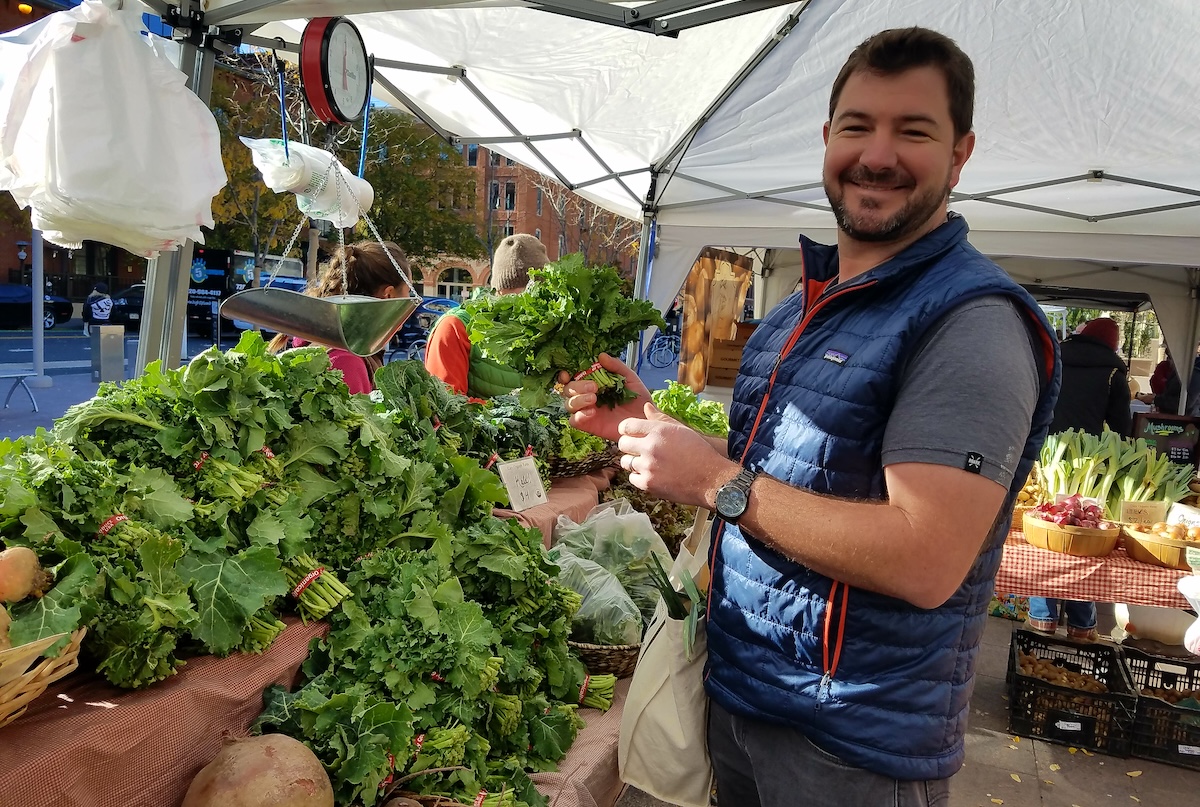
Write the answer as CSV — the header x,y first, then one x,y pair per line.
x,y
85,743
1031,571
573,497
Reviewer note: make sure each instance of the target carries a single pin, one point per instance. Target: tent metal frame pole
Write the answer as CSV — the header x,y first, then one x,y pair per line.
x,y
220,15
641,276
615,174
664,18
414,108
164,317
735,195
677,151
600,161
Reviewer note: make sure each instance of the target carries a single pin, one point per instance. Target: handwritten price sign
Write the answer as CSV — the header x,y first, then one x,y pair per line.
x,y
525,488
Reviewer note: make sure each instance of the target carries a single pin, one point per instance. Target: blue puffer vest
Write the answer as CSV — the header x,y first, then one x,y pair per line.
x,y
897,701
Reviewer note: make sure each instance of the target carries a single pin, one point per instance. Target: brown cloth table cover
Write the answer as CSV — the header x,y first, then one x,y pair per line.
x,y
1032,571
573,497
86,743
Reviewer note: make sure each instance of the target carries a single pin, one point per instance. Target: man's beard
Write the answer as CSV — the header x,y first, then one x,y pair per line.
x,y
905,221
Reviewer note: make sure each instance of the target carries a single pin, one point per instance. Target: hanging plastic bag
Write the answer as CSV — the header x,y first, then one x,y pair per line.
x,y
663,745
621,540
100,136
607,615
325,189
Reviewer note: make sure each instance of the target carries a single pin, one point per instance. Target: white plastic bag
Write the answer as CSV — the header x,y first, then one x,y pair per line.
x,y
100,136
663,745
333,194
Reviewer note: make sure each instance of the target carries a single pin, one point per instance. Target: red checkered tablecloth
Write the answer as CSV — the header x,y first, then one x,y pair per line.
x,y
1036,572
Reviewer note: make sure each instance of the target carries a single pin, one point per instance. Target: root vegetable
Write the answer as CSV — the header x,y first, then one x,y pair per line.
x,y
268,771
21,575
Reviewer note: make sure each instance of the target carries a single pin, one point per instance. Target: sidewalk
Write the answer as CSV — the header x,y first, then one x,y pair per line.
x,y
20,419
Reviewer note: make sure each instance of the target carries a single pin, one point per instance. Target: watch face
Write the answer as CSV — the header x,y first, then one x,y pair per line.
x,y
731,502
349,77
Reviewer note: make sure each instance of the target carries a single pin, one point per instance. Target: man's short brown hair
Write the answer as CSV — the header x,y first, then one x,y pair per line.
x,y
894,51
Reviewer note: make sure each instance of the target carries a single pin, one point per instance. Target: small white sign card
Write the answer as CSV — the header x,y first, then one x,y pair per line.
x,y
525,488
1143,513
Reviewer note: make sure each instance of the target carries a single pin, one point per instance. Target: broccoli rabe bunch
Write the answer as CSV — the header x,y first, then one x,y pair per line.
x,y
569,315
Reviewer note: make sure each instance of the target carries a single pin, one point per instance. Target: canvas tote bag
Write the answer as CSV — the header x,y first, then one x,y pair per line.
x,y
663,745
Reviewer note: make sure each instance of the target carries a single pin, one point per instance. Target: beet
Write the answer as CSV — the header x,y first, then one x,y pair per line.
x,y
268,771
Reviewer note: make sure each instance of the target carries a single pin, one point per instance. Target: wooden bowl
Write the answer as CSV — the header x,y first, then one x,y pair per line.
x,y
1083,541
1150,548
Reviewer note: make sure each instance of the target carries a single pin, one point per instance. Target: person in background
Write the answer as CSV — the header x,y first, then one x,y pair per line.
x,y
1095,394
1166,387
369,271
96,308
884,419
450,355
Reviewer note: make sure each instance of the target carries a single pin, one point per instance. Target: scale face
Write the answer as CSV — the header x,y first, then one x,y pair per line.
x,y
334,69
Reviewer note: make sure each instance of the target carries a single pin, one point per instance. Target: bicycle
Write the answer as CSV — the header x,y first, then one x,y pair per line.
x,y
664,350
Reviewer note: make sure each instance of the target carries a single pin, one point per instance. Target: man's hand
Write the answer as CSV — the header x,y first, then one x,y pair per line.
x,y
671,461
603,421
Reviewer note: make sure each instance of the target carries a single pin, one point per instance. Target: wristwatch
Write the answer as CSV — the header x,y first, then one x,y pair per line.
x,y
734,496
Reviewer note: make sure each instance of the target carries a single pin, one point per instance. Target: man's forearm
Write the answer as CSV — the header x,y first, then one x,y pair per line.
x,y
876,546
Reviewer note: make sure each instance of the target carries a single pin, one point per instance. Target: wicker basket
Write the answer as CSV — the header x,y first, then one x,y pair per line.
x,y
1149,548
1084,541
600,659
560,468
20,683
1018,519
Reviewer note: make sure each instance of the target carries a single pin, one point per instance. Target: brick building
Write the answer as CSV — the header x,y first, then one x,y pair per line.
x,y
509,199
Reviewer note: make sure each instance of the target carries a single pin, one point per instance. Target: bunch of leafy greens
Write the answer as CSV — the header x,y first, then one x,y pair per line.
x,y
678,401
569,315
178,510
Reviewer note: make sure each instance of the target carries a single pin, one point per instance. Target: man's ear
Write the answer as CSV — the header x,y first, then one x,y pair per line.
x,y
962,152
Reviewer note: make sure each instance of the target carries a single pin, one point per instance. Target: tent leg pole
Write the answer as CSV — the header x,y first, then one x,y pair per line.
x,y
164,317
640,283
1184,368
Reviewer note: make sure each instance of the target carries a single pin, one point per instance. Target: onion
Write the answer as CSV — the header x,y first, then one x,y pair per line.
x,y
268,771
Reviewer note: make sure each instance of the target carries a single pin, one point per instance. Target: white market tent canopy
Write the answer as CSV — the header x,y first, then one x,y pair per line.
x,y
1087,115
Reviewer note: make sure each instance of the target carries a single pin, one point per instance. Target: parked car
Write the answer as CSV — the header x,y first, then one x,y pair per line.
x,y
16,308
413,335
127,307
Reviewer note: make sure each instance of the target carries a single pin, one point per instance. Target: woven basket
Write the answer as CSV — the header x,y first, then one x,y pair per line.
x,y
1149,548
1018,518
1083,541
600,659
560,468
20,683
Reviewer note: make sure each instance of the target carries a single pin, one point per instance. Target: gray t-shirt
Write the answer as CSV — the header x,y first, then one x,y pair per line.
x,y
967,397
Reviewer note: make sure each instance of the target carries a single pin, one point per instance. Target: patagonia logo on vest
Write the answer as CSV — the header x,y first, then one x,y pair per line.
x,y
836,356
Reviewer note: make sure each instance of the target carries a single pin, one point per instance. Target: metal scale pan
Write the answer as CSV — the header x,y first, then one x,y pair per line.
x,y
362,325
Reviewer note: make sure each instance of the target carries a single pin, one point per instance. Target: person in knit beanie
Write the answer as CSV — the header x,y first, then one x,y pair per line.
x,y
450,355
1095,393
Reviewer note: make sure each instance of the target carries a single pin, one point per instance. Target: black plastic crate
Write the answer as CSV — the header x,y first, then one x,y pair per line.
x,y
1098,721
1162,731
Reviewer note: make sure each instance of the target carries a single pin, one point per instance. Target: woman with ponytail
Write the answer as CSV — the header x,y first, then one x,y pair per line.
x,y
367,270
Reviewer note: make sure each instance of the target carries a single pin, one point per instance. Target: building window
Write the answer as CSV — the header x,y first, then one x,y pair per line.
x,y
494,196
562,245
473,154
539,201
455,284
538,233
509,162
494,159
510,196
509,229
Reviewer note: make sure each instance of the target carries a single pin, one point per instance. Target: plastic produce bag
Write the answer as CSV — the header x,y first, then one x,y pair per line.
x,y
100,136
607,615
621,540
332,194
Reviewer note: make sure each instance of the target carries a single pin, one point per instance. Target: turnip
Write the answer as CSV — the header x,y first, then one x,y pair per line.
x,y
21,575
268,771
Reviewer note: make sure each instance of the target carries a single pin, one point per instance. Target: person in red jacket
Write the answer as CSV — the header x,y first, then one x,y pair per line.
x,y
369,271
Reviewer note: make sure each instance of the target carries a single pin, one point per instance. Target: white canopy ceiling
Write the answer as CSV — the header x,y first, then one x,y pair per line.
x,y
1087,115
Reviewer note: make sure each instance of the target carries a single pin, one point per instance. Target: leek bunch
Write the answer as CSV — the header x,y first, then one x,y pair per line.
x,y
1110,469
